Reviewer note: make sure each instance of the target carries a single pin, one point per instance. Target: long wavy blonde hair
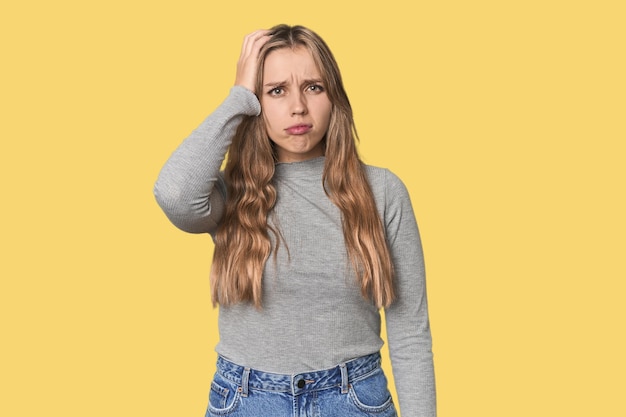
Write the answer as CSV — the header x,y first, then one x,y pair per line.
x,y
242,242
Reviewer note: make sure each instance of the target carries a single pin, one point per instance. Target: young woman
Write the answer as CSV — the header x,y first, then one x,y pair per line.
x,y
310,244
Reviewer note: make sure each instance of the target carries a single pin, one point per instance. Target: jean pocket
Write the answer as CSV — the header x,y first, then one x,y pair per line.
x,y
223,397
371,394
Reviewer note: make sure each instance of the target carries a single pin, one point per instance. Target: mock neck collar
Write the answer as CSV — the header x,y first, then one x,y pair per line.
x,y
309,167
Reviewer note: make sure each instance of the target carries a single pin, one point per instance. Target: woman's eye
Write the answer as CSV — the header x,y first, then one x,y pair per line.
x,y
276,91
316,88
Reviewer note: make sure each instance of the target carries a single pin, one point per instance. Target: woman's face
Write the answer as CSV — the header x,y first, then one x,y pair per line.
x,y
296,108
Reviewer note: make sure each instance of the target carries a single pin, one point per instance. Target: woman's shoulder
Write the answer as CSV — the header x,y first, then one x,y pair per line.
x,y
392,198
389,191
382,178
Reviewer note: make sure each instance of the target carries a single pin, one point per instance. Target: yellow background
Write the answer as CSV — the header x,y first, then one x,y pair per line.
x,y
506,120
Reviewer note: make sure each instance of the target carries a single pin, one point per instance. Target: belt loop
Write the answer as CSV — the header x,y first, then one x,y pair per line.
x,y
244,382
344,378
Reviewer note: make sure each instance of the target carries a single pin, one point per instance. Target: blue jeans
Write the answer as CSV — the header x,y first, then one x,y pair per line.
x,y
355,388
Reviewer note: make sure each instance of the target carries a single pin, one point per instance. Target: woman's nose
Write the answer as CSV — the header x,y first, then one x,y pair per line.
x,y
298,106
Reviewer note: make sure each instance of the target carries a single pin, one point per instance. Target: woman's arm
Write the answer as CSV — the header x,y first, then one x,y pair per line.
x,y
408,329
186,184
185,187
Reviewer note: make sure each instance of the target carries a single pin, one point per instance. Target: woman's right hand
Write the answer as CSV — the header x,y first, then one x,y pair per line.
x,y
247,65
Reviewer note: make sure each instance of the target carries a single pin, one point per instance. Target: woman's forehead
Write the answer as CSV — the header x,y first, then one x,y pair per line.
x,y
286,63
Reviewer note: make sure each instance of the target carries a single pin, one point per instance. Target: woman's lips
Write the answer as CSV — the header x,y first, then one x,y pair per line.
x,y
300,129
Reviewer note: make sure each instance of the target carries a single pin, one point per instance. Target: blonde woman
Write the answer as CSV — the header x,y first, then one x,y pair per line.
x,y
310,244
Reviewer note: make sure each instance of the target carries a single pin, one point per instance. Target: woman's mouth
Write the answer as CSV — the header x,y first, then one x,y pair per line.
x,y
299,129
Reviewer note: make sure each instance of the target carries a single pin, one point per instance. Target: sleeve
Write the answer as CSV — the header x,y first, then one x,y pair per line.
x,y
408,328
186,184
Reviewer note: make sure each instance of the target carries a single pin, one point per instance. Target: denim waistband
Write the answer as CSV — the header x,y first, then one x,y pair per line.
x,y
338,376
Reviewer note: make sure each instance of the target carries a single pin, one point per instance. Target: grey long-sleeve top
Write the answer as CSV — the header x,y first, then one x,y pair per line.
x,y
313,314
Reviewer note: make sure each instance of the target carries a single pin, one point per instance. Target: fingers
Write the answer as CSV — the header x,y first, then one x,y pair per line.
x,y
247,64
252,42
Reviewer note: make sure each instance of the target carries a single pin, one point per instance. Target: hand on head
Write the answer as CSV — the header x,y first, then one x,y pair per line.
x,y
247,65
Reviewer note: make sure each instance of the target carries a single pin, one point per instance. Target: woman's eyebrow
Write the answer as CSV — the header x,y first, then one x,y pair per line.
x,y
312,81
304,82
275,83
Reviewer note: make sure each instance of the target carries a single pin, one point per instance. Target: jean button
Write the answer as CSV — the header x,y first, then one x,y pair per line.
x,y
300,384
